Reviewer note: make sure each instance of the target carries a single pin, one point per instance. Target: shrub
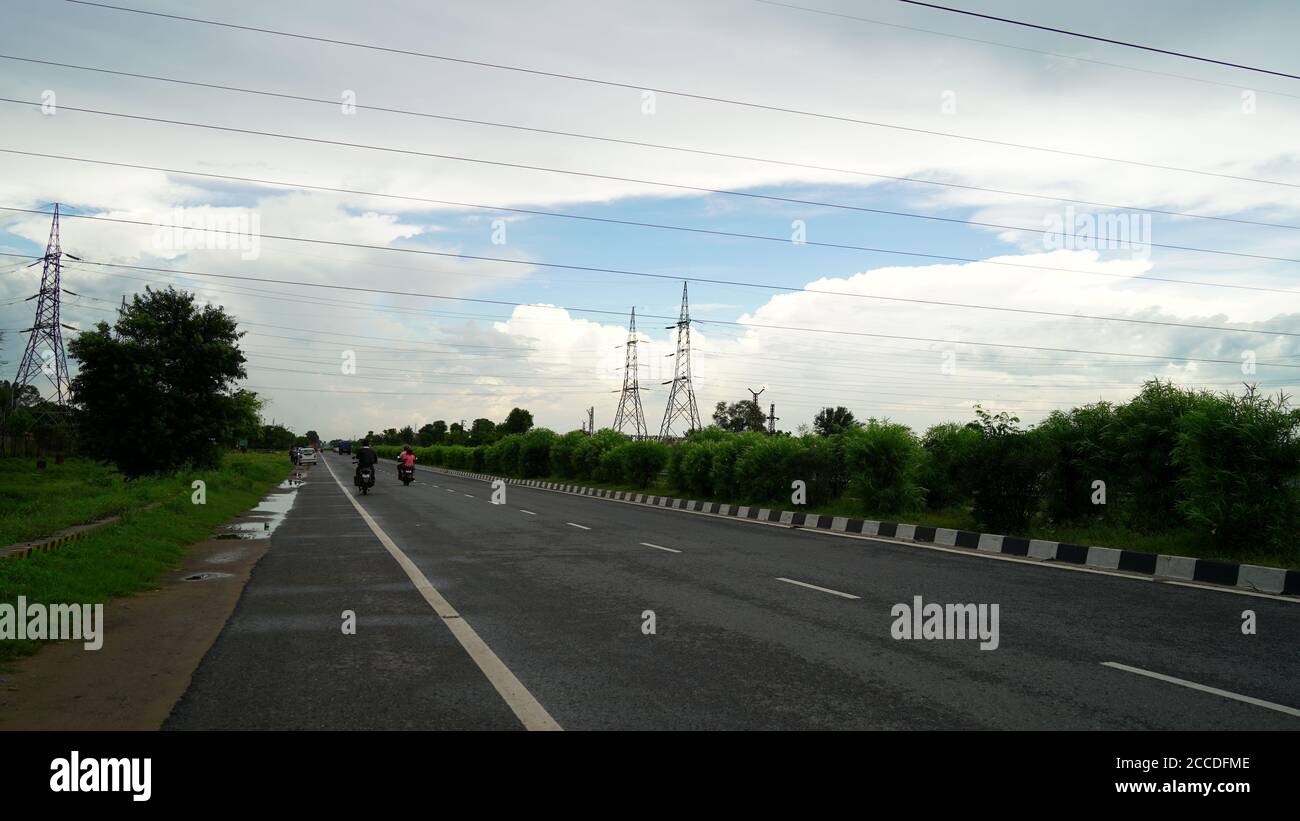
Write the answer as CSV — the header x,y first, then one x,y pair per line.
x,y
1007,472
726,455
563,451
945,474
762,471
587,454
1081,450
1146,430
883,461
534,457
1240,465
639,463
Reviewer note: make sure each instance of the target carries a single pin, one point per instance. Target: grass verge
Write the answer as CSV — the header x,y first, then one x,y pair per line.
x,y
126,556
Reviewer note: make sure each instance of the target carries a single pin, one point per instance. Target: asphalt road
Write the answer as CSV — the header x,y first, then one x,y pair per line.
x,y
557,587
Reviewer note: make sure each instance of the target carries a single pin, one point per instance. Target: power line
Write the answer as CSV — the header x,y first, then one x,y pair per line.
x,y
638,144
705,280
662,226
1071,57
829,331
1101,39
640,87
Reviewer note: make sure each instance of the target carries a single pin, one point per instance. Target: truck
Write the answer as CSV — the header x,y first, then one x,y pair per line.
x,y
345,446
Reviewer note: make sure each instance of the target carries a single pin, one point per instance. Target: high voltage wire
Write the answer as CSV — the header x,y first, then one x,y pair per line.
x,y
640,87
704,280
1070,57
642,144
664,226
891,351
1098,39
829,331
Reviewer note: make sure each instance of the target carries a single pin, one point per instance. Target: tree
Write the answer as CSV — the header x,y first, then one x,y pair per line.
x,y
405,436
425,435
439,432
740,416
313,437
518,421
483,432
830,421
457,435
155,390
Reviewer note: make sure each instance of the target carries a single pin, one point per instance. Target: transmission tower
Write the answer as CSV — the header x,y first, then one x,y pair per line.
x,y
681,398
771,418
44,354
629,403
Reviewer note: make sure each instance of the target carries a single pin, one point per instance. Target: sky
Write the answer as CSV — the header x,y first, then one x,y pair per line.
x,y
1052,188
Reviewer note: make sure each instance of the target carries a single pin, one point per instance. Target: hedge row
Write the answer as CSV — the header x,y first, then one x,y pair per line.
x,y
1225,466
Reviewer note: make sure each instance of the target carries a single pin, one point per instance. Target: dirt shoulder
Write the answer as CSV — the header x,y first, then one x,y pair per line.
x,y
154,641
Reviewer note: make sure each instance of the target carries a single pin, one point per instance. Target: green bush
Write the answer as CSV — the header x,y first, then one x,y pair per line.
x,y
763,472
1146,431
1081,449
727,453
563,451
884,462
535,453
1007,473
639,463
1239,459
945,473
587,455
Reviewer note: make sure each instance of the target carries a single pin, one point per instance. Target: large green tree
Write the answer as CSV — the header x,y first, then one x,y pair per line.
x,y
156,390
740,416
517,421
830,421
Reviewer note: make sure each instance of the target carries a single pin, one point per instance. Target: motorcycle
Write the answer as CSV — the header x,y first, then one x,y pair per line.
x,y
406,473
366,480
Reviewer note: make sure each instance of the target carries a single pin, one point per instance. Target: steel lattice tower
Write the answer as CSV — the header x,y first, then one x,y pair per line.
x,y
44,354
681,398
629,403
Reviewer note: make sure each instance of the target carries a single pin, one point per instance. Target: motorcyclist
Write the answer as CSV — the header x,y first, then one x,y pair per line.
x,y
406,458
366,457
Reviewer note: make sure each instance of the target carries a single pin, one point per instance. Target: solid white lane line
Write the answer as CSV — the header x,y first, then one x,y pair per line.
x,y
529,512
580,527
815,587
1182,682
449,490
660,547
528,710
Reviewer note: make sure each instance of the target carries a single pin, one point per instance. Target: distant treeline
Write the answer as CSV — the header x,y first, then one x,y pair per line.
x,y
1225,466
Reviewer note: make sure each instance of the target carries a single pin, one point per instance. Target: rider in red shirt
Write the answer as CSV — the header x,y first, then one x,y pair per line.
x,y
407,457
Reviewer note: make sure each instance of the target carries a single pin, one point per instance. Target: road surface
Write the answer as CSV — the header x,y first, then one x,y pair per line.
x,y
755,626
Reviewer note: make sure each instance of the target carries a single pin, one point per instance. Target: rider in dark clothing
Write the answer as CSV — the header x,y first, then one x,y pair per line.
x,y
366,456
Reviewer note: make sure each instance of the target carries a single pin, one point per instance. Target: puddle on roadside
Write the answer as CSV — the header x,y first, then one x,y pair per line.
x,y
199,577
267,516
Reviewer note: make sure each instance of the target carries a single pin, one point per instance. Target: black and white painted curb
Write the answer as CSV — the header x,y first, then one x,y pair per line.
x,y
1249,577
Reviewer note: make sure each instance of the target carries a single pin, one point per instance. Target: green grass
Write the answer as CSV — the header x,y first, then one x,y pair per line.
x,y
128,555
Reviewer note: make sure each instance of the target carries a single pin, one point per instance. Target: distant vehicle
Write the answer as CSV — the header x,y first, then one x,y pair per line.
x,y
345,446
306,456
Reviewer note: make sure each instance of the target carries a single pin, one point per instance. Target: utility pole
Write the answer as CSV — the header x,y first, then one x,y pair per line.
x,y
591,420
681,398
630,412
44,353
771,419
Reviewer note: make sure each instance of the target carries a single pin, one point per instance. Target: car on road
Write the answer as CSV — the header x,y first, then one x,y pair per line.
x,y
306,456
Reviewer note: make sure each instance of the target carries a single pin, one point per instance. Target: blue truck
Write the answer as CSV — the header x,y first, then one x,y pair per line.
x,y
345,446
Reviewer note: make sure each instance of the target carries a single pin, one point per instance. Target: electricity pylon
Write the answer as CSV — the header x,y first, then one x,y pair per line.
x,y
44,354
681,398
629,403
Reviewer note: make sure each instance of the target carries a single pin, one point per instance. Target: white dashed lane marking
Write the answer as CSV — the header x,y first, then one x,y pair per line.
x,y
580,527
815,587
529,512
1182,682
660,547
